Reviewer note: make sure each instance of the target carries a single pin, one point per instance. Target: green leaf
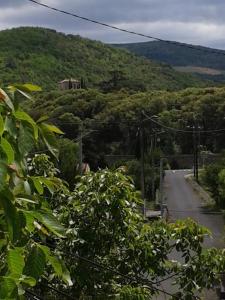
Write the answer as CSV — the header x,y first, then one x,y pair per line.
x,y
7,100
27,187
48,183
58,265
25,139
15,261
3,174
10,127
42,119
8,288
35,263
29,221
28,280
38,185
1,125
7,148
49,139
21,115
12,218
25,199
32,88
53,128
66,275
55,262
51,223
28,87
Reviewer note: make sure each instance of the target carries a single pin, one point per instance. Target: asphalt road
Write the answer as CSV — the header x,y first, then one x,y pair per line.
x,y
184,203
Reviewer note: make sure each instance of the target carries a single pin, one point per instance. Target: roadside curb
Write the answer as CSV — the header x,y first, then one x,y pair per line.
x,y
204,196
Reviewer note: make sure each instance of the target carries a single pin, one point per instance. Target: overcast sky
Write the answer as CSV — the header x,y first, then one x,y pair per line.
x,y
199,22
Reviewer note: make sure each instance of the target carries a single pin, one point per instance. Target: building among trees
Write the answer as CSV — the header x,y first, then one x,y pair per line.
x,y
69,84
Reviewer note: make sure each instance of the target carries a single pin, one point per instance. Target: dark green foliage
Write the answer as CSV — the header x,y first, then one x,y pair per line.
x,y
213,178
68,160
111,121
45,57
210,178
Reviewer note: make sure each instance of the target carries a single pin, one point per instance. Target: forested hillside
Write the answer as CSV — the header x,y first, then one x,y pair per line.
x,y
44,57
176,55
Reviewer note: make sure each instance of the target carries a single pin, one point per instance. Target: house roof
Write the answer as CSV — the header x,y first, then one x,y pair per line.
x,y
71,80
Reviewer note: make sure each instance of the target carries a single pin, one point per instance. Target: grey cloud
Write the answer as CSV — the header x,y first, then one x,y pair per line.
x,y
171,19
11,3
151,10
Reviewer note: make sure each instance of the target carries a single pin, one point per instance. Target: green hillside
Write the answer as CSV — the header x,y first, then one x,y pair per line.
x,y
182,56
44,57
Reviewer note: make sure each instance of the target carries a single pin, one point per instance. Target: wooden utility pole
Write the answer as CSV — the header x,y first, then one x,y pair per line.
x,y
80,143
142,168
161,186
196,150
153,166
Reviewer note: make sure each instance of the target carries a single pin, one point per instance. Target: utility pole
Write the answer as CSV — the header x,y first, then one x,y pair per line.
x,y
142,168
196,149
153,167
80,143
161,186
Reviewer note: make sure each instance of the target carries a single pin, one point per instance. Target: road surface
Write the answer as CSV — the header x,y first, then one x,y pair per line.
x,y
184,203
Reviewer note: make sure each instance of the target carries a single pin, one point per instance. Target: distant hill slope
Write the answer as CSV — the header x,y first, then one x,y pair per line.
x,y
44,57
182,57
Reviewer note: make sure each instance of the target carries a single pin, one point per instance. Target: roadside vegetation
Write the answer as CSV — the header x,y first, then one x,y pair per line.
x,y
213,179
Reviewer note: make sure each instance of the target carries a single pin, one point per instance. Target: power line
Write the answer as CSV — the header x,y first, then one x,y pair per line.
x,y
196,48
182,130
33,295
148,283
50,287
106,122
137,279
139,122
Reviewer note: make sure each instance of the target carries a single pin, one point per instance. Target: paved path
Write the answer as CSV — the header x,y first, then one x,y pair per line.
x,y
182,203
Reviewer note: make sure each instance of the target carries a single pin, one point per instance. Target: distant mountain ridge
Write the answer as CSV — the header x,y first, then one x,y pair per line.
x,y
179,56
45,57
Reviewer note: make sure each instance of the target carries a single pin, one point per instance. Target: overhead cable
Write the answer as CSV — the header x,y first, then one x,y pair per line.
x,y
147,283
182,130
179,44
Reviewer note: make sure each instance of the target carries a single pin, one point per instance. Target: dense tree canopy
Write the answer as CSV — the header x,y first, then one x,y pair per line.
x,y
116,117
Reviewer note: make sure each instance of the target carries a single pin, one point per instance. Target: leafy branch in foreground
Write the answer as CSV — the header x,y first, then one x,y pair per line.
x,y
108,243
25,216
